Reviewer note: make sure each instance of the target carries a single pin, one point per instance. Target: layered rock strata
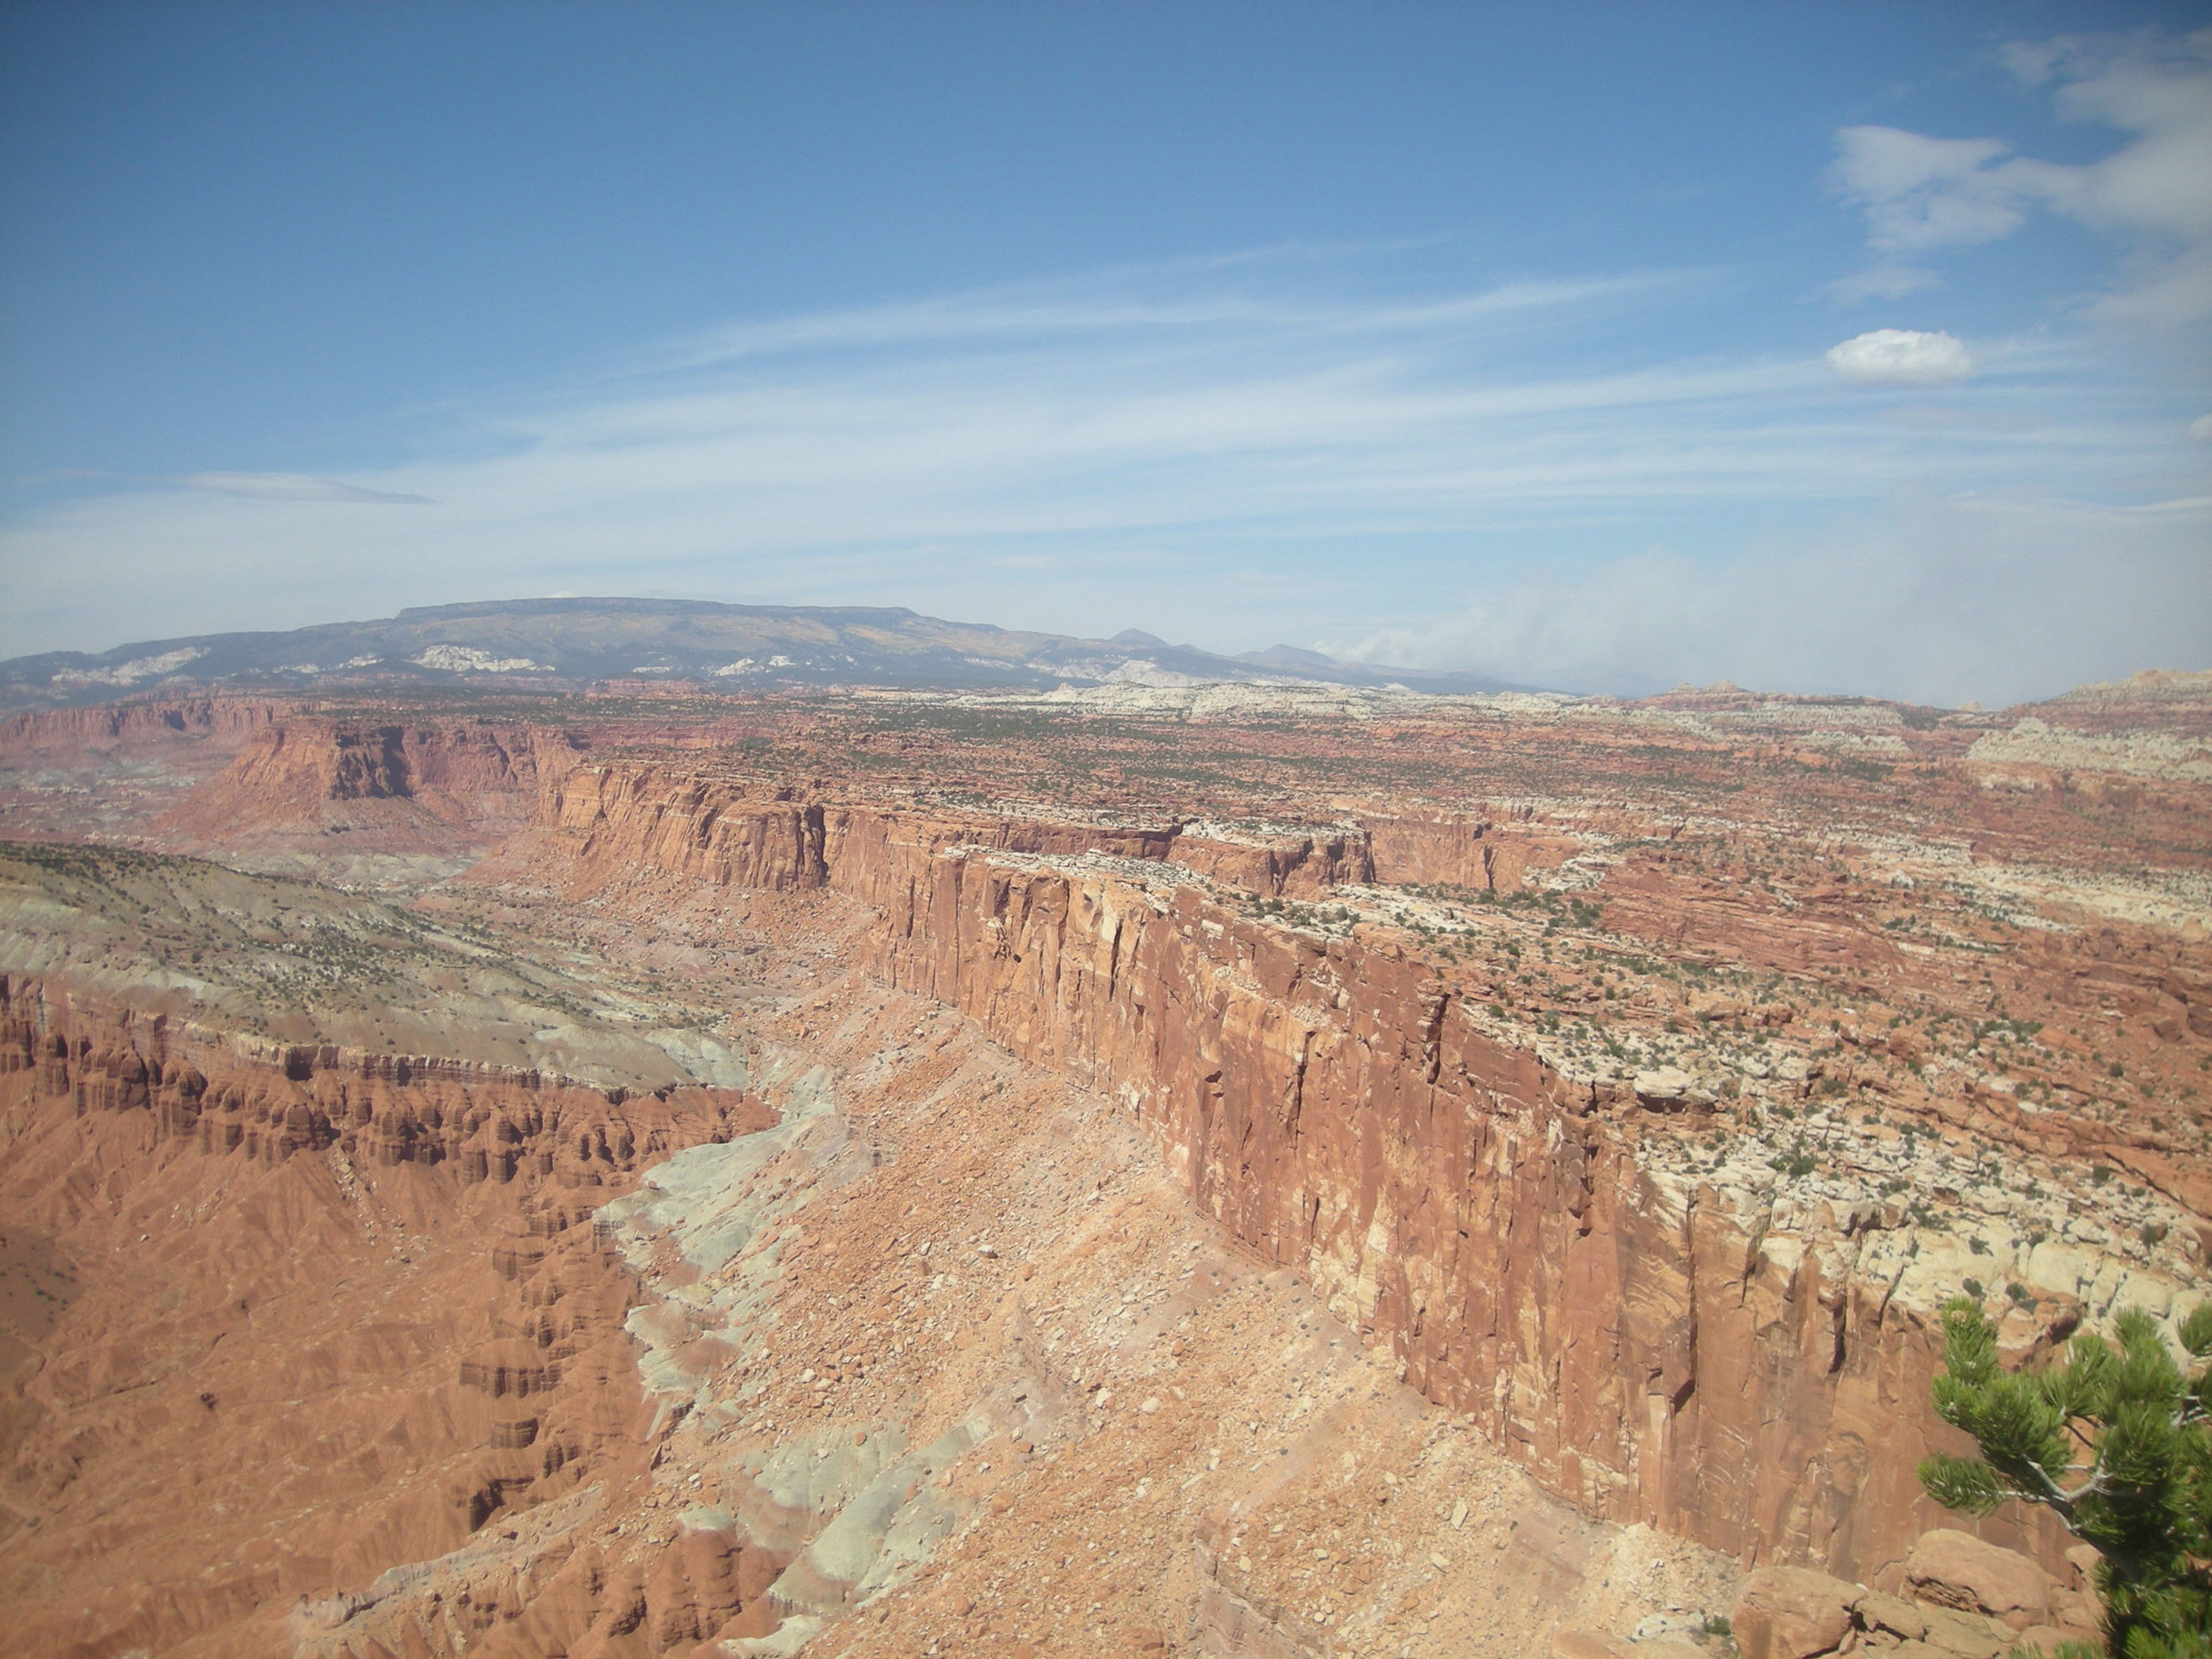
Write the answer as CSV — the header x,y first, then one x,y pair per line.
x,y
1659,1347
350,1308
131,725
685,822
952,1334
314,774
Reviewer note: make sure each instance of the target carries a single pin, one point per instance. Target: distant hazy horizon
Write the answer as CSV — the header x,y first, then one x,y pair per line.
x,y
1819,349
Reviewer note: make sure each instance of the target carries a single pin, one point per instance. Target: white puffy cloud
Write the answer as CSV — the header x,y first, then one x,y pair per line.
x,y
1921,194
2200,428
1900,356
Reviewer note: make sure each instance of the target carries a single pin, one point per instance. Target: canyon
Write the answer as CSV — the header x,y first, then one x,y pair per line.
x,y
1238,1168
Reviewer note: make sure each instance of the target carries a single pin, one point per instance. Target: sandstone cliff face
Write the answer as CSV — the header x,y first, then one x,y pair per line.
x,y
356,1304
137,725
694,825
308,774
1456,850
273,1100
1638,1341
1451,1197
66,774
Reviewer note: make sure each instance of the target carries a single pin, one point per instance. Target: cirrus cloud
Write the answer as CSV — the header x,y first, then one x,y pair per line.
x,y
1354,461
294,487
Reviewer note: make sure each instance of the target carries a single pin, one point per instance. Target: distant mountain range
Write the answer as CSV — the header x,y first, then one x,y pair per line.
x,y
567,644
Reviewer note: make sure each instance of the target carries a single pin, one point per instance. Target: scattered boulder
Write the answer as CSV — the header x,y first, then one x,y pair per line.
x,y
1898,1628
1951,1569
1877,1611
1791,1613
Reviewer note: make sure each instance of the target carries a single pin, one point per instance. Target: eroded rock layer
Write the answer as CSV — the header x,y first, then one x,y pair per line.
x,y
345,1311
1629,1083
1652,1347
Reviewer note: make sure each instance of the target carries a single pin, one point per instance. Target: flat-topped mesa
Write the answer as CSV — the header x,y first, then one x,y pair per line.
x,y
720,830
1454,849
1627,1285
232,1091
147,721
314,771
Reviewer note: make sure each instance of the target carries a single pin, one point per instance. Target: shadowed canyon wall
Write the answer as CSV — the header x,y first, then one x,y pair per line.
x,y
1643,1345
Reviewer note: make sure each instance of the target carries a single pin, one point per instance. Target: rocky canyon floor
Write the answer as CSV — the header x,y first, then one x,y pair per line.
x,y
1233,1169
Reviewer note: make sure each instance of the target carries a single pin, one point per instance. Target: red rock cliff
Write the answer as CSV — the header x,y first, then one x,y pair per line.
x,y
226,720
328,1313
472,775
1633,1340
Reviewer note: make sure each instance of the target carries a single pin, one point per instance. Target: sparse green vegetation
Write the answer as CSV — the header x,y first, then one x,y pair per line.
x,y
294,961
2114,1441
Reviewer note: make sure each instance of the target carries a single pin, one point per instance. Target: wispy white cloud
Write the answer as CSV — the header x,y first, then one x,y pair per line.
x,y
1312,460
293,487
1217,296
1882,282
1921,194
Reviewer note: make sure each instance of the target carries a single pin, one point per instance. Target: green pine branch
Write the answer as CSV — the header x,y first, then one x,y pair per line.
x,y
2116,1439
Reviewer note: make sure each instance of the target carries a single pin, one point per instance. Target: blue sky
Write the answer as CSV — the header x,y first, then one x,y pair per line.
x,y
1821,348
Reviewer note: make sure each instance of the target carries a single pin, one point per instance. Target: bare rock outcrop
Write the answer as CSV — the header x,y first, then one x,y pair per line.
x,y
1963,1597
311,774
138,726
1791,1612
1948,1567
1491,853
1339,1106
342,1314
